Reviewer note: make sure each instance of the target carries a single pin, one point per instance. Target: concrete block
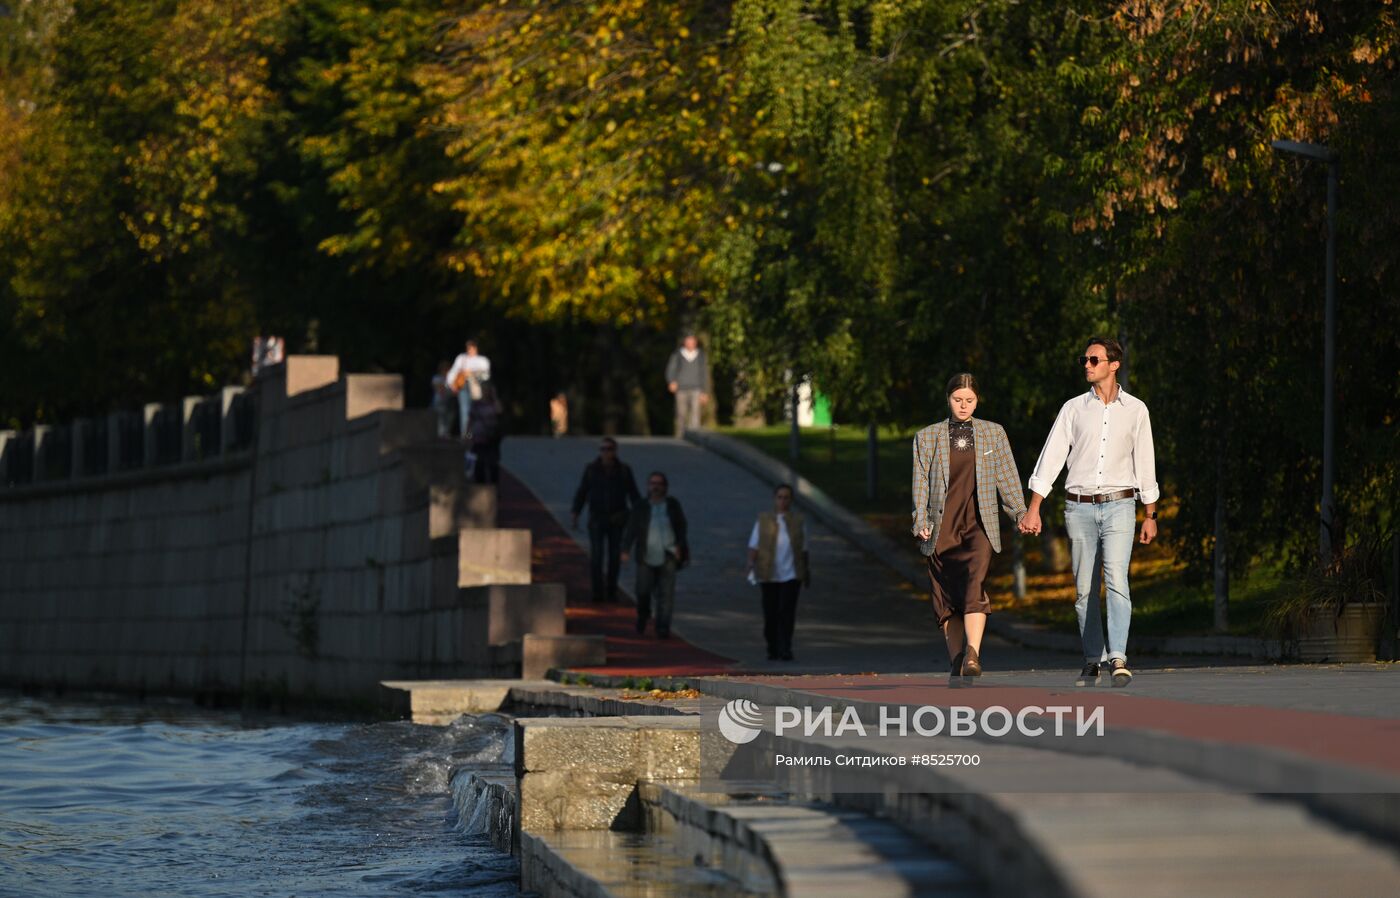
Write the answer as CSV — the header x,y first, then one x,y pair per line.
x,y
78,432
310,420
366,393
408,427
514,610
442,701
42,434
580,773
300,373
188,447
540,653
149,442
414,529
430,465
361,448
7,445
493,556
227,425
481,505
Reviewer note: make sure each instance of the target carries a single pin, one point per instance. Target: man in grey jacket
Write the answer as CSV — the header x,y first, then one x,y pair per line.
x,y
688,377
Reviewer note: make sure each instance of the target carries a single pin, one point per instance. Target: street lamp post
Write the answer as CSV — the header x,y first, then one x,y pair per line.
x,y
1325,154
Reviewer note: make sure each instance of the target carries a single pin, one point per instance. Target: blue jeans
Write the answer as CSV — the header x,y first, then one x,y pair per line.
x,y
1102,535
464,407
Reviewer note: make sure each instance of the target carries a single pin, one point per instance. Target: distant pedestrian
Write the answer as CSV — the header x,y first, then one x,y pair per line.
x,y
484,433
442,400
559,415
656,531
962,465
469,371
609,491
688,377
1105,436
778,559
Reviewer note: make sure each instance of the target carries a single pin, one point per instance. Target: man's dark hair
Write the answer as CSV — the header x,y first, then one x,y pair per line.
x,y
661,475
785,486
608,441
1112,347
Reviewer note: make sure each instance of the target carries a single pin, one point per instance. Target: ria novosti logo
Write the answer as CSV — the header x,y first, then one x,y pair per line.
x,y
740,721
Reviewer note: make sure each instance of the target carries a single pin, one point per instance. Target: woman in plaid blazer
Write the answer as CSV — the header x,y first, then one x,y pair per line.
x,y
961,466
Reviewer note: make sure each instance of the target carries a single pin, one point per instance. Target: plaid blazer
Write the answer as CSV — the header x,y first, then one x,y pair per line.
x,y
996,475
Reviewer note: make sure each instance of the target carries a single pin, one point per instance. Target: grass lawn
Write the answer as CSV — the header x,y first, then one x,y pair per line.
x,y
1164,604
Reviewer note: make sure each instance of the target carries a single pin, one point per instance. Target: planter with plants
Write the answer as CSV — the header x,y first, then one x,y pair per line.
x,y
1338,611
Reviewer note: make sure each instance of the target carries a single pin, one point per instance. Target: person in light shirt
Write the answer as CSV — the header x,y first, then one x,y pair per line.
x,y
1105,437
778,559
469,371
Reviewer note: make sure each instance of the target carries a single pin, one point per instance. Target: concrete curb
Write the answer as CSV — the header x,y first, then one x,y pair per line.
x,y
879,547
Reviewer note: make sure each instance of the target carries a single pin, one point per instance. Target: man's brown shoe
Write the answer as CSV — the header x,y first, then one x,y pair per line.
x,y
1121,675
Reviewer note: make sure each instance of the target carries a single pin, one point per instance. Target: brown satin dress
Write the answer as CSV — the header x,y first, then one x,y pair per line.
x,y
960,558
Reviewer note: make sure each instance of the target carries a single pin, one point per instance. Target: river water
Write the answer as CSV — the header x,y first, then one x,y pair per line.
x,y
109,798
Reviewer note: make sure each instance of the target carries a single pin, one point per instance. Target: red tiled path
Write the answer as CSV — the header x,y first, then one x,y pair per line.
x,y
557,558
1366,742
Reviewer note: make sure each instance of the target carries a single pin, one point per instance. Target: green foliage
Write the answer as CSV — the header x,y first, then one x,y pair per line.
x,y
875,194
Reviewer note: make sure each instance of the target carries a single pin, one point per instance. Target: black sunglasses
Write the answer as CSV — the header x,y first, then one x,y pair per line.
x,y
1090,359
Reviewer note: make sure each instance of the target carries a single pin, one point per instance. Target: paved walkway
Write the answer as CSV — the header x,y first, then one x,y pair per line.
x,y
558,558
1212,777
857,616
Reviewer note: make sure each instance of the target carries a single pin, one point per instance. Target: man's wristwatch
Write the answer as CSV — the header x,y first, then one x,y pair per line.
x,y
1152,515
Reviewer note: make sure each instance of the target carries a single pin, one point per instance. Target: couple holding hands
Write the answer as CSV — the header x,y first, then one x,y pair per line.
x,y
963,466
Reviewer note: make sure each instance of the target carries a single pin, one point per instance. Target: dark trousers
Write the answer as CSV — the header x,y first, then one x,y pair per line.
x,y
779,614
656,586
604,537
488,463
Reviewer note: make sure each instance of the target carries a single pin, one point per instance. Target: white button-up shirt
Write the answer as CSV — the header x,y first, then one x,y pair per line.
x,y
474,365
1108,447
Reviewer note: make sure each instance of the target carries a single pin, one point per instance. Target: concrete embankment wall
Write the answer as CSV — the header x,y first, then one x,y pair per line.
x,y
310,537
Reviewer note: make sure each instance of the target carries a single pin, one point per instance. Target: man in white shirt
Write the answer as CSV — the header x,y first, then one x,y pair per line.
x,y
1105,436
469,371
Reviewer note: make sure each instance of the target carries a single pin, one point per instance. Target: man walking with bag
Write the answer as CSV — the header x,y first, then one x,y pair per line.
x,y
1105,436
656,530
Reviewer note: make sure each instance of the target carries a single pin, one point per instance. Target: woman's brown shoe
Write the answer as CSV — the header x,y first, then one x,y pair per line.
x,y
955,670
972,665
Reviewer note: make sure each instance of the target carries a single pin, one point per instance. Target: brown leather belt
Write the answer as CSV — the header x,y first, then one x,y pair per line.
x,y
1105,497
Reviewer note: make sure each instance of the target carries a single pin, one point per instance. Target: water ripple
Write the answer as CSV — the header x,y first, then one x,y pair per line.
x,y
157,798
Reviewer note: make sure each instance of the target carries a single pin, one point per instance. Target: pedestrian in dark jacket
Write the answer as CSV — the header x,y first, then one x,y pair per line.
x,y
609,490
656,532
484,432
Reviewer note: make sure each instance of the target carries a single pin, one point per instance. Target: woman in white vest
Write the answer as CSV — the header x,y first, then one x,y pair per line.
x,y
778,559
